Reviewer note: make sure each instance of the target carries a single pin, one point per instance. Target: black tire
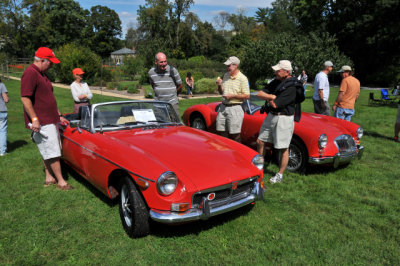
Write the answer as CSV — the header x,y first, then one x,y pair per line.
x,y
197,121
133,210
298,156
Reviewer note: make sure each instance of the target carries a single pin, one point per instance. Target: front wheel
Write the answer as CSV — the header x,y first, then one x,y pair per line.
x,y
133,210
197,121
298,156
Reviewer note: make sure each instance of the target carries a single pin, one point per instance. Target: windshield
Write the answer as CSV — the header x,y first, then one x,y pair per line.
x,y
132,114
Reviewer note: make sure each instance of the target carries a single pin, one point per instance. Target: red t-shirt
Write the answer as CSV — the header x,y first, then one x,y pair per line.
x,y
36,86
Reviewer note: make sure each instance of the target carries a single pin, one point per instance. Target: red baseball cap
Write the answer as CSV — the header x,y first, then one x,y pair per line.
x,y
47,53
77,71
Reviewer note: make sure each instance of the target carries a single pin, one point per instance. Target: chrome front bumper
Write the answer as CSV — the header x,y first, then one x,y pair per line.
x,y
206,210
338,158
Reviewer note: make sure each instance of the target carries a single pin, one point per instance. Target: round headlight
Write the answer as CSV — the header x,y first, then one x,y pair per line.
x,y
360,132
258,161
167,183
322,141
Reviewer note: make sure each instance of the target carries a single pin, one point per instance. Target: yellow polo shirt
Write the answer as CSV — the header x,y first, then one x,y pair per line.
x,y
235,85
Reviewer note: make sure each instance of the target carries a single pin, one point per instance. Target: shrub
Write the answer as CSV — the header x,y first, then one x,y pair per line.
x,y
72,56
132,66
111,85
148,92
132,88
144,77
205,85
121,87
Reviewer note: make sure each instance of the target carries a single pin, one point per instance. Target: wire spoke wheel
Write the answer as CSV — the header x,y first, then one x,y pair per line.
x,y
198,122
297,156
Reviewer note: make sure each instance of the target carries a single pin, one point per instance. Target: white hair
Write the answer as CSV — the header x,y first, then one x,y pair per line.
x,y
39,59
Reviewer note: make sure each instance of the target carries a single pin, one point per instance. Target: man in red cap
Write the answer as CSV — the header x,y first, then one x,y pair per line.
x,y
42,115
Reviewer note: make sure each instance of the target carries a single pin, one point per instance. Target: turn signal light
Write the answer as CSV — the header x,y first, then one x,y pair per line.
x,y
179,207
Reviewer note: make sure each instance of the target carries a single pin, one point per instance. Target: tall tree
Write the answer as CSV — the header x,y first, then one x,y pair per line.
x,y
367,31
240,22
54,22
106,27
221,20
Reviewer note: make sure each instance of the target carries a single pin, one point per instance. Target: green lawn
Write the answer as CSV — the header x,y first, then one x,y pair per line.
x,y
350,215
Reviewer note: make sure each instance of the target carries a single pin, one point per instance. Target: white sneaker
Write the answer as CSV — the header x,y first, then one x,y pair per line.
x,y
276,178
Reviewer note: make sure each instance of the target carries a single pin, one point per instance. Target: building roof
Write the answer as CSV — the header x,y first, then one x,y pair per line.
x,y
123,51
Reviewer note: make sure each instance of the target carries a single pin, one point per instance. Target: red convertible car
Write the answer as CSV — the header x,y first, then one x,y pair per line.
x,y
158,168
317,139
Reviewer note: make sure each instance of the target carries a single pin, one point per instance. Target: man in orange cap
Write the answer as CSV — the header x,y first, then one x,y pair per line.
x,y
42,115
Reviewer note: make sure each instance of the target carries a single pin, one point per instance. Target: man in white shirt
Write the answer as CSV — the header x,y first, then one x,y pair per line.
x,y
321,93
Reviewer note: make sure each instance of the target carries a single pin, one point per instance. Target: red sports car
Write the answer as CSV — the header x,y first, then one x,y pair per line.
x,y
317,139
158,168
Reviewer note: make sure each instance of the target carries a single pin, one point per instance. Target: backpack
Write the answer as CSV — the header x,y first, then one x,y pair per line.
x,y
300,97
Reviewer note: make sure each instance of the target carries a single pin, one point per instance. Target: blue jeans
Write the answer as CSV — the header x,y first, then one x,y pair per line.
x,y
3,132
344,113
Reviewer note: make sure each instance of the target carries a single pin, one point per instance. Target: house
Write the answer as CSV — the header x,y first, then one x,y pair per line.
x,y
118,56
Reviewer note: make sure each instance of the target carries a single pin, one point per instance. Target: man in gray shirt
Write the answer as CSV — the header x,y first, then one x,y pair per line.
x,y
166,82
3,118
321,93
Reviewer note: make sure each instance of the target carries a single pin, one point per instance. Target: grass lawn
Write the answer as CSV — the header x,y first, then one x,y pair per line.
x,y
350,215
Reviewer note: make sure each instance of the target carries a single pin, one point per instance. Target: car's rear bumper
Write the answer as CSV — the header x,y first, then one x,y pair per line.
x,y
338,158
206,210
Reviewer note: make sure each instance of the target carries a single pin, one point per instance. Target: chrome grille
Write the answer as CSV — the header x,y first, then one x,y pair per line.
x,y
226,193
345,144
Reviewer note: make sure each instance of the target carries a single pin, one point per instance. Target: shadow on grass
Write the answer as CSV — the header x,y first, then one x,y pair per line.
x,y
68,171
158,229
166,231
377,135
12,146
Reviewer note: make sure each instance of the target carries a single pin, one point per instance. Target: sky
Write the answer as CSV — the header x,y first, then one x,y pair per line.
x,y
205,9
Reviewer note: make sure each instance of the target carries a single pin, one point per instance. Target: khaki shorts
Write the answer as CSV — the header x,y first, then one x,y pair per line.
x,y
230,118
277,129
48,141
398,115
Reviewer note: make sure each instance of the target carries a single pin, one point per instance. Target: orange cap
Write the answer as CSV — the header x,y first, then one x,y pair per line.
x,y
77,71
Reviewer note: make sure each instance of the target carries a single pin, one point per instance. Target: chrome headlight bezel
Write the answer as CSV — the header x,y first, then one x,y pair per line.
x,y
360,132
258,161
322,141
167,183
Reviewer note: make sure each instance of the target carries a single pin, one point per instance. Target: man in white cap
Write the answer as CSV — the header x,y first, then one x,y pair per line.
x,y
277,128
42,115
234,88
321,93
348,93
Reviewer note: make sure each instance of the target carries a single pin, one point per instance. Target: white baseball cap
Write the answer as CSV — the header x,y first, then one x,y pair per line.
x,y
283,64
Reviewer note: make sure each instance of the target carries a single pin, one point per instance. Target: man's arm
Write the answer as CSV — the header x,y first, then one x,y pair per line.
x,y
179,88
338,100
28,107
5,97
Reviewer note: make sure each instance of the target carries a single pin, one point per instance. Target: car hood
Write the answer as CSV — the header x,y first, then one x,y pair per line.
x,y
332,127
199,159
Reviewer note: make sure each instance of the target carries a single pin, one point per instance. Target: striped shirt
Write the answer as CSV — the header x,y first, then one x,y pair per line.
x,y
164,85
235,85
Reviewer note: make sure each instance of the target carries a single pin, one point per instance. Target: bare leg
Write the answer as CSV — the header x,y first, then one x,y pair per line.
x,y
261,147
49,175
284,160
53,166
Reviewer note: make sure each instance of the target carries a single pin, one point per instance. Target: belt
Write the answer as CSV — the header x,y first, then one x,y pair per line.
x,y
278,113
81,102
232,104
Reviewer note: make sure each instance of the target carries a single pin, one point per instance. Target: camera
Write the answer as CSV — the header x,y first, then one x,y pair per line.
x,y
265,108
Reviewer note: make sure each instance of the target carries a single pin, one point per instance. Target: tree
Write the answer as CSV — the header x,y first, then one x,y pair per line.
x,y
240,22
221,20
12,28
53,23
367,31
106,27
304,51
